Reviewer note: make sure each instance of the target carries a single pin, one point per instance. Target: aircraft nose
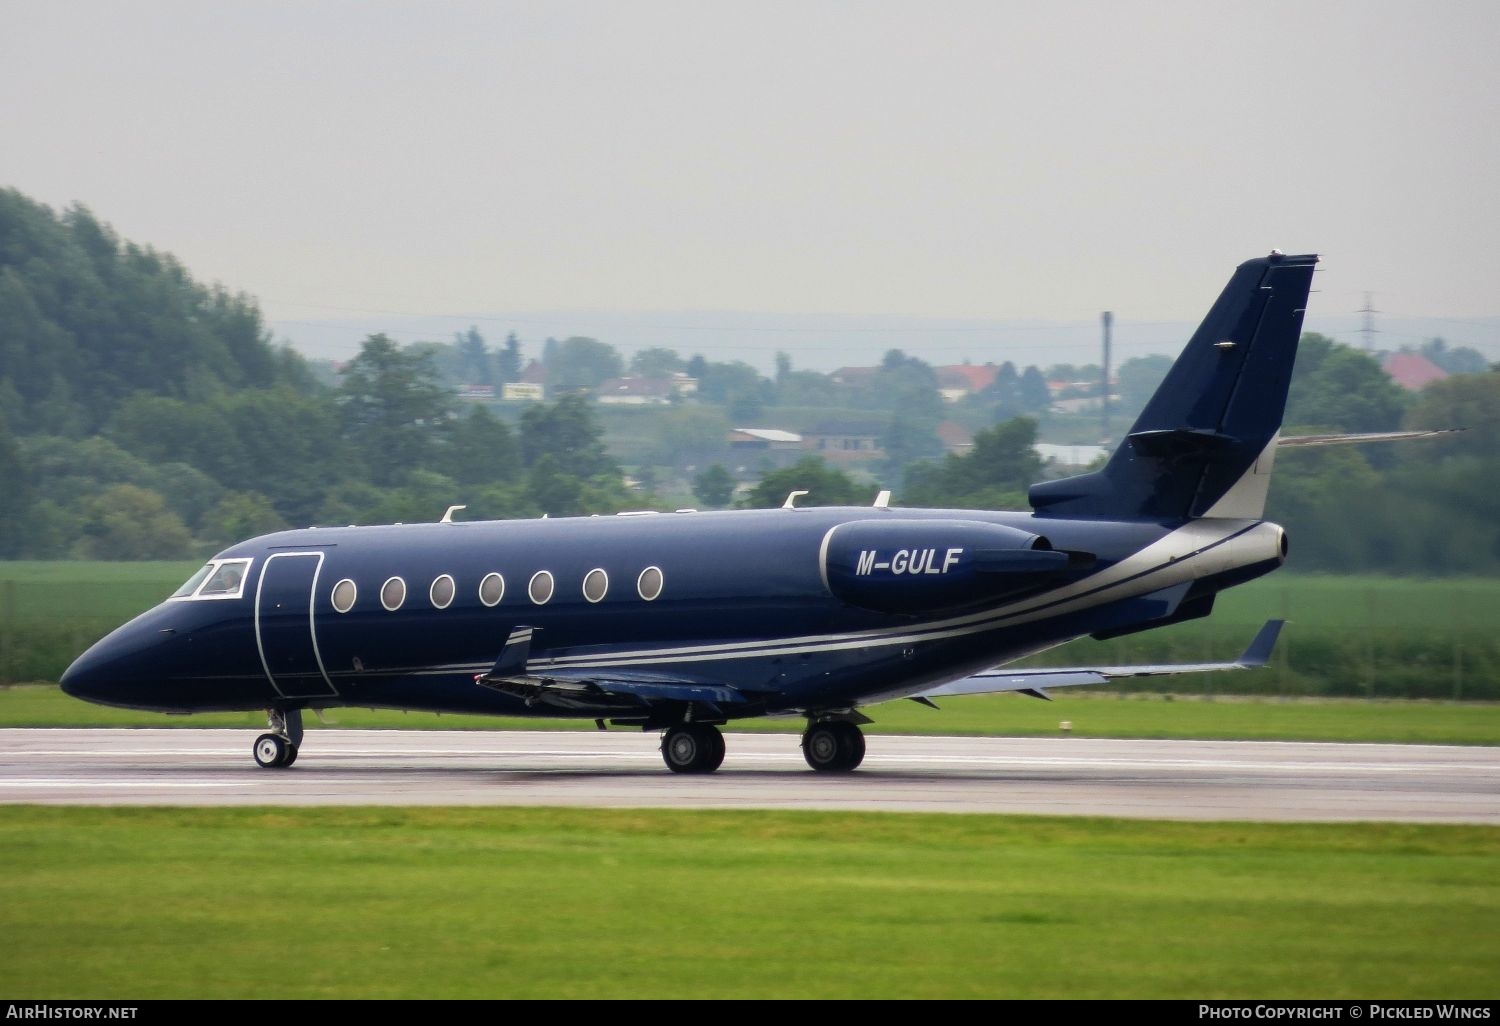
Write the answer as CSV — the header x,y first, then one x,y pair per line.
x,y
89,676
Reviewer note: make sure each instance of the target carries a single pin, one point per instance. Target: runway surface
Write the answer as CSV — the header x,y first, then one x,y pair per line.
x,y
1072,776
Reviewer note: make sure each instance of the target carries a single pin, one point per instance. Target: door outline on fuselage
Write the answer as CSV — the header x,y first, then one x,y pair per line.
x,y
312,624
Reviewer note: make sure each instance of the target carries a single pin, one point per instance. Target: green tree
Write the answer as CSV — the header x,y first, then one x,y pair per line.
x,y
16,498
580,363
825,486
567,432
1035,397
1455,360
1139,378
127,522
473,354
656,363
392,402
479,449
508,360
805,388
908,385
239,516
1341,389
737,386
714,486
994,474
689,436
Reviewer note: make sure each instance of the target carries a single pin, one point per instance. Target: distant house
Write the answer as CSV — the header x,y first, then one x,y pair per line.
x,y
765,447
1412,371
630,391
956,438
476,393
522,391
534,373
853,377
1068,457
964,379
846,441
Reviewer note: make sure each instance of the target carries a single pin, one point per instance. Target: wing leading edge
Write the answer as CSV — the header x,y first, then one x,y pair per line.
x,y
1034,681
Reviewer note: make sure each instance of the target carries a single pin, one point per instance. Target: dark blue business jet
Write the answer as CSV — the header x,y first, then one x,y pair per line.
x,y
682,622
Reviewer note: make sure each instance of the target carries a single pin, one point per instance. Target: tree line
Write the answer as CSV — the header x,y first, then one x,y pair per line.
x,y
144,415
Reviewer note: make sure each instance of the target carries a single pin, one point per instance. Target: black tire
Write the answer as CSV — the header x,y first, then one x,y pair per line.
x,y
833,746
854,752
291,755
716,749
270,751
692,748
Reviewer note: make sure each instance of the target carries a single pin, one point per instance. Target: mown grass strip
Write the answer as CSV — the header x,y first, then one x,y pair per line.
x,y
489,903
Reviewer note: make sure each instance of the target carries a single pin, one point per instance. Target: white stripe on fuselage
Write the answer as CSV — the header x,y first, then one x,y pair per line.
x,y
1196,549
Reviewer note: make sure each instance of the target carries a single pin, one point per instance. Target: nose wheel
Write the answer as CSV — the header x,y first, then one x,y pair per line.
x,y
274,752
833,746
278,749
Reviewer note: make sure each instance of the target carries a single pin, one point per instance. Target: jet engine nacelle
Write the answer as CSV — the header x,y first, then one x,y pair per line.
x,y
924,565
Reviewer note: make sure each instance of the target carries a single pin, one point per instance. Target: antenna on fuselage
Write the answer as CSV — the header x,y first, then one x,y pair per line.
x,y
792,497
448,516
882,500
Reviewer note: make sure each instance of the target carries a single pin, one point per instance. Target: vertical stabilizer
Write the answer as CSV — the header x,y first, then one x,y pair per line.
x,y
1203,444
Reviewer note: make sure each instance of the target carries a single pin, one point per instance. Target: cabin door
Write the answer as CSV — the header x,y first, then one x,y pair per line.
x,y
284,628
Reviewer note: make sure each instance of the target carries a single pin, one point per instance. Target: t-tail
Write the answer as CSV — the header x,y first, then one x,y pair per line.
x,y
1205,443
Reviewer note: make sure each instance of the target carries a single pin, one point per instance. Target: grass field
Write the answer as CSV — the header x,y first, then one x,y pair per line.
x,y
1097,714
531,903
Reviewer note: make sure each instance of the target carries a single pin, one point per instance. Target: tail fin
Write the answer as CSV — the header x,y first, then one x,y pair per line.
x,y
1204,443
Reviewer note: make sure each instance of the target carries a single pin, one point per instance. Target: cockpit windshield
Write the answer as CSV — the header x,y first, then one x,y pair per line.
x,y
222,578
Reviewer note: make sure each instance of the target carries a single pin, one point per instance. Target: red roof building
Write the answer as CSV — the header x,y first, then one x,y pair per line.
x,y
1412,371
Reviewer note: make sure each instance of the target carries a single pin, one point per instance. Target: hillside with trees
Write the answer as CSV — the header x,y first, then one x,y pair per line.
x,y
146,415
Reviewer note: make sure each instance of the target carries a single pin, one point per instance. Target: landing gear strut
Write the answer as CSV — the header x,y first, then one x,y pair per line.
x,y
833,746
278,749
693,748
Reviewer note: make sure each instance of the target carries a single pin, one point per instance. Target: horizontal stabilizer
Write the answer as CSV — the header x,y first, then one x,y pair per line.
x,y
1257,654
1178,442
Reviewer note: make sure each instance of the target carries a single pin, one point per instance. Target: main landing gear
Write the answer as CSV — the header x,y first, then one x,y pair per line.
x,y
693,748
829,746
278,749
833,746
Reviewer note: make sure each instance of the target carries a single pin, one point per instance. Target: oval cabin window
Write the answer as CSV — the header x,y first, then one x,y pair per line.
x,y
393,594
649,583
344,594
595,585
492,589
441,592
540,588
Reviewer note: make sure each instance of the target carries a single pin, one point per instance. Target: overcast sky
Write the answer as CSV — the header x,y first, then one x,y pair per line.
x,y
942,159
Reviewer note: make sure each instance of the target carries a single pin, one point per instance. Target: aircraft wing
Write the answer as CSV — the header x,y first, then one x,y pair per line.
x,y
600,692
1032,682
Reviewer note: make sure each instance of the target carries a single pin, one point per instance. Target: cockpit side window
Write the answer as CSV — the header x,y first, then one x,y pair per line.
x,y
191,584
221,579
